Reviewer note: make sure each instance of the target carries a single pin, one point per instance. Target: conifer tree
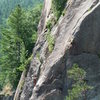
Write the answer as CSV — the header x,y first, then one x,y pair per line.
x,y
79,87
12,47
16,43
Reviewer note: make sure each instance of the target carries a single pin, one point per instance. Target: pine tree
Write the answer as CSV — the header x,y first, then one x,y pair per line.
x,y
6,7
10,55
79,87
12,47
17,41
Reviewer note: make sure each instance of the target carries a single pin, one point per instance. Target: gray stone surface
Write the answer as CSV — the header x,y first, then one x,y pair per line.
x,y
2,97
77,39
91,64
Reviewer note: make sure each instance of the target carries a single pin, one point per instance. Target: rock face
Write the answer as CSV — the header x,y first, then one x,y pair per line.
x,y
2,97
77,40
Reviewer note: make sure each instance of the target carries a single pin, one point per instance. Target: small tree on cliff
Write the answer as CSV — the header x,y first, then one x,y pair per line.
x,y
80,87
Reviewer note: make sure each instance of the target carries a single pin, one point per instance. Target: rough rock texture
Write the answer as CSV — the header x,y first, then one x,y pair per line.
x,y
20,86
77,40
2,97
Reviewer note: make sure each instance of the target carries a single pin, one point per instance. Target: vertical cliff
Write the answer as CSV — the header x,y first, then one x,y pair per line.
x,y
76,36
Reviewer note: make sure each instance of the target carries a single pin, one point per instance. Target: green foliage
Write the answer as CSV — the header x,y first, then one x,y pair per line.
x,y
16,44
51,42
76,73
25,63
38,55
30,24
21,84
12,55
89,9
58,7
49,25
6,7
79,88
21,68
64,12
34,37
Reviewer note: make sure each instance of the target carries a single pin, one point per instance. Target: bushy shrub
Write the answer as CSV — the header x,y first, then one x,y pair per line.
x,y
80,87
58,7
50,40
49,24
24,65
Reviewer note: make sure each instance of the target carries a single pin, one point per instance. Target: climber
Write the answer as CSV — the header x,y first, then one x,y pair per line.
x,y
35,80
